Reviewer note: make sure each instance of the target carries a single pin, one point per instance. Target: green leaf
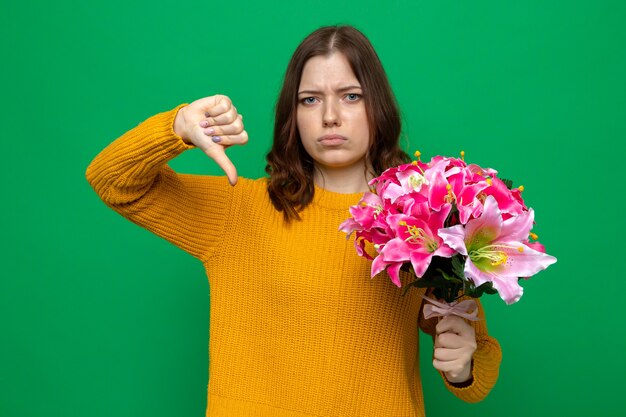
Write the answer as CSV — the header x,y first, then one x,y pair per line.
x,y
508,183
446,276
486,287
458,266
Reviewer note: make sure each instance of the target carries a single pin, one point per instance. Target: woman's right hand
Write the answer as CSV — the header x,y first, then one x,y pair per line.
x,y
212,124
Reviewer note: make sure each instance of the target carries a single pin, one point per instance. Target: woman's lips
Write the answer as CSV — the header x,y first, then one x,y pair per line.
x,y
332,140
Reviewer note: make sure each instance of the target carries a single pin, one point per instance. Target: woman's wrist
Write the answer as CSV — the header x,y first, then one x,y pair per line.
x,y
179,125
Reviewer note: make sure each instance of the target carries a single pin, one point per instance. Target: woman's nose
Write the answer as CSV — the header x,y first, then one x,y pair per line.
x,y
331,115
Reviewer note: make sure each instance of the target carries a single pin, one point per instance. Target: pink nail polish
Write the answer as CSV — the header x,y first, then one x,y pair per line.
x,y
204,123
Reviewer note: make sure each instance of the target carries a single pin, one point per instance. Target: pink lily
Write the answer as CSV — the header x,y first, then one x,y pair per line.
x,y
440,192
508,203
478,173
410,180
416,241
452,186
364,214
496,251
368,221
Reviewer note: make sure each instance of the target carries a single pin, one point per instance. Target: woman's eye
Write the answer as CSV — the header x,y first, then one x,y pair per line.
x,y
308,100
353,97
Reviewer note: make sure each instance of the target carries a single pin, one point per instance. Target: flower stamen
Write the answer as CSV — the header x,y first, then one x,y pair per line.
x,y
450,197
416,182
492,253
417,235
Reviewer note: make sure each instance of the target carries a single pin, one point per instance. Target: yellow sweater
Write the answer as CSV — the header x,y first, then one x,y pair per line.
x,y
297,326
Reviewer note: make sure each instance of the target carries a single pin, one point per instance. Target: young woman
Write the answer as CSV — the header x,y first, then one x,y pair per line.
x,y
297,326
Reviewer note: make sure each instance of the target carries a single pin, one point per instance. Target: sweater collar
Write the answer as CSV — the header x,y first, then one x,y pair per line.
x,y
333,200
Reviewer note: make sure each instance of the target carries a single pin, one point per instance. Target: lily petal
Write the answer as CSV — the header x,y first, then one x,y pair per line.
x,y
454,237
396,250
378,265
518,227
349,226
522,261
486,228
420,261
393,272
508,288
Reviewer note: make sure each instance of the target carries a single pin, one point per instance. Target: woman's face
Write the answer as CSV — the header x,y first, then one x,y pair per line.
x,y
331,114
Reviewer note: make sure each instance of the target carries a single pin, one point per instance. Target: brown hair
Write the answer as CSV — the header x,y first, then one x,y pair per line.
x,y
289,166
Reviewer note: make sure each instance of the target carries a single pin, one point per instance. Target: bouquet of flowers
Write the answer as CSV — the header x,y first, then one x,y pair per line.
x,y
457,227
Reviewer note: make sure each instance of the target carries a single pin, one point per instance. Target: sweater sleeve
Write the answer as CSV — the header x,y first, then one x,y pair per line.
x,y
132,177
485,364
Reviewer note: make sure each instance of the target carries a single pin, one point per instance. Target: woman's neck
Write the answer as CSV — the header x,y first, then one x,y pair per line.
x,y
346,180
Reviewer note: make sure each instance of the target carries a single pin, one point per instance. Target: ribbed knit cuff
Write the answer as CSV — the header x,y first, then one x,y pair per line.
x,y
121,171
159,132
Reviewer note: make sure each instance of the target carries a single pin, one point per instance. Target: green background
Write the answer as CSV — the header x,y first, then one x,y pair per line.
x,y
100,318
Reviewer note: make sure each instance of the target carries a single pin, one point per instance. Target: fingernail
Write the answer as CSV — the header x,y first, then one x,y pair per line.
x,y
216,139
209,131
204,123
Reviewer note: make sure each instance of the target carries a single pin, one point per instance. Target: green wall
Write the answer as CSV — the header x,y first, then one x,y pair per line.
x,y
100,318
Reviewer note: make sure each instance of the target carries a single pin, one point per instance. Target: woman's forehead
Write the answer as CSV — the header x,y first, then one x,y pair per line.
x,y
328,73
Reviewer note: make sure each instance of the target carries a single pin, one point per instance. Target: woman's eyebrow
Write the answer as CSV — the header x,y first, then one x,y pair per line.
x,y
339,90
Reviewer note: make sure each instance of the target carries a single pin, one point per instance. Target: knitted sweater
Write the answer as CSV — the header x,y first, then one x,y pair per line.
x,y
297,326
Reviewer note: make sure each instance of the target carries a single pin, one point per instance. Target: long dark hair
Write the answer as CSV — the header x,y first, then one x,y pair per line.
x,y
289,166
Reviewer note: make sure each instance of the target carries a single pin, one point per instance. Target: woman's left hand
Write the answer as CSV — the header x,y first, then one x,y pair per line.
x,y
455,344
